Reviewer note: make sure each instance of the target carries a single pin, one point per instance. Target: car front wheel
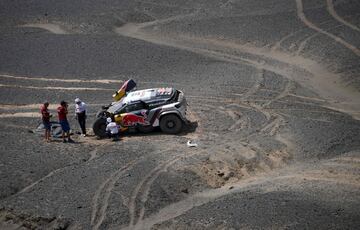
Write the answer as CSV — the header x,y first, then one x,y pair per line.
x,y
99,127
170,124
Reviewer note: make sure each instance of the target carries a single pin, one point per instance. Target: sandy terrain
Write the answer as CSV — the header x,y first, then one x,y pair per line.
x,y
274,99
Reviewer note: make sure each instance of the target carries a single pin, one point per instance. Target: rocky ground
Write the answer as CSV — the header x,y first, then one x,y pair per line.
x,y
274,98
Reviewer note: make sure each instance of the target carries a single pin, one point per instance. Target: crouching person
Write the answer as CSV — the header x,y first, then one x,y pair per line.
x,y
112,129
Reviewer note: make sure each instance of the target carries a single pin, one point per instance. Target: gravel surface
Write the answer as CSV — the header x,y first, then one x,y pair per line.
x,y
273,89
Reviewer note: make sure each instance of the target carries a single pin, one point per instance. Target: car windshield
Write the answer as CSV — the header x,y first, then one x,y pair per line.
x,y
116,107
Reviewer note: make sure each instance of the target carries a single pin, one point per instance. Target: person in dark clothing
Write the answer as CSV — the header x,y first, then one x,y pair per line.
x,y
80,111
45,115
62,113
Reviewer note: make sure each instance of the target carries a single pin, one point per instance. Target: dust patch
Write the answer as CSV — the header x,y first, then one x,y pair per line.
x,y
103,81
225,168
51,27
56,88
34,106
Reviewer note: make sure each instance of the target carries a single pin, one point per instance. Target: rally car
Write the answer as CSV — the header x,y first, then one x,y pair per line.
x,y
143,110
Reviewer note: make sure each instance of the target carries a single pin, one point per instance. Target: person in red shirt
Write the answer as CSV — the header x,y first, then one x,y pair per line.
x,y
62,114
45,115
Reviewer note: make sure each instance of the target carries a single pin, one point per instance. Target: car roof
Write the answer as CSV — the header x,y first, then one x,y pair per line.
x,y
147,95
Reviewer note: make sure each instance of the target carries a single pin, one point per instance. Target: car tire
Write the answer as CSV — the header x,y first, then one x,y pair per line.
x,y
99,127
145,129
170,124
101,113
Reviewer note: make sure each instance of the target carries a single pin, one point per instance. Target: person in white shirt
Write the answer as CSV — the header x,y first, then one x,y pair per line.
x,y
80,111
112,129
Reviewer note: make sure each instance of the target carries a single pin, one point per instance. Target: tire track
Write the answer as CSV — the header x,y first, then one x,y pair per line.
x,y
308,98
102,195
102,81
51,27
303,44
256,86
176,209
235,115
278,46
286,91
25,114
55,88
306,72
145,185
331,10
34,106
301,15
143,189
98,81
27,188
165,5
272,128
274,125
52,173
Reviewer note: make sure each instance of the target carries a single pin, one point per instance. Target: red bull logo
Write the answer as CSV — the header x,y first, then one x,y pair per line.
x,y
130,119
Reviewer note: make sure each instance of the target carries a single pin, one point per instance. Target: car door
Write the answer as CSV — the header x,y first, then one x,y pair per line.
x,y
135,114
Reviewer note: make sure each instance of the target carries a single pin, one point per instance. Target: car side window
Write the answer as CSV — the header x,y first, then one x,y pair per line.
x,y
134,107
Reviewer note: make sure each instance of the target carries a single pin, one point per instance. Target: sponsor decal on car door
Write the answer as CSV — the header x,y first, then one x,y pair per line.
x,y
130,119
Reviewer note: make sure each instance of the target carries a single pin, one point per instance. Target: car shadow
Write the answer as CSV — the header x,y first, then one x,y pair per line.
x,y
189,127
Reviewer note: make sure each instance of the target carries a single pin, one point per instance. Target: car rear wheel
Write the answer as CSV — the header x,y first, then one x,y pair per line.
x,y
99,127
170,124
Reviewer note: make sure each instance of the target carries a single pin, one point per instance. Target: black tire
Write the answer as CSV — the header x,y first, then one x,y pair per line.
x,y
99,127
145,129
170,124
101,113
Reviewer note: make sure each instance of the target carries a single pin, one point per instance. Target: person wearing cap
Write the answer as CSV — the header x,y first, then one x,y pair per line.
x,y
80,112
112,129
45,115
62,113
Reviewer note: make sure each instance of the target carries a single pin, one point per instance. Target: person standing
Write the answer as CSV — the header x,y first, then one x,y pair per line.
x,y
62,113
80,111
45,115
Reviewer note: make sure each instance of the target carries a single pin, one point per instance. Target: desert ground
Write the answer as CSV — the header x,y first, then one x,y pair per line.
x,y
273,88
